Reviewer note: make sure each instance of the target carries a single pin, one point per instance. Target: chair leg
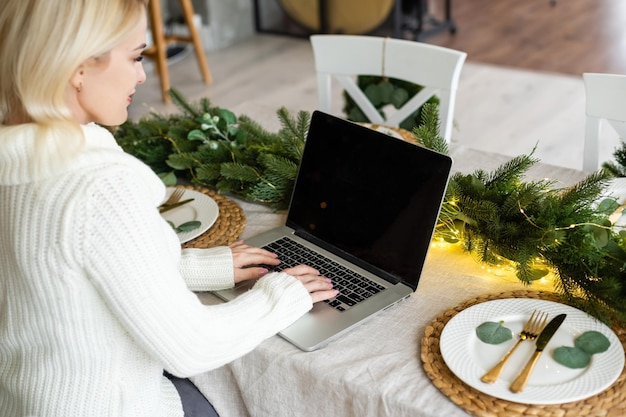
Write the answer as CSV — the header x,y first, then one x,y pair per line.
x,y
195,39
590,147
158,39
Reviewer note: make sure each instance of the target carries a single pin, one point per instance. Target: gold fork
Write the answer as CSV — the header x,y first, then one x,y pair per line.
x,y
174,198
531,330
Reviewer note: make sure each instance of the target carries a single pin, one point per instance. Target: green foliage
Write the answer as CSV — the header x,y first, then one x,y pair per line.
x,y
210,146
427,133
492,214
493,333
571,357
592,342
585,345
383,92
497,215
617,167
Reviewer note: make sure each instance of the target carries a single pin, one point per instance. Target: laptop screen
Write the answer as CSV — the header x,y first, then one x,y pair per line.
x,y
370,196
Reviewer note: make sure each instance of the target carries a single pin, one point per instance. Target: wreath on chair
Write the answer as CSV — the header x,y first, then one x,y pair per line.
x,y
384,93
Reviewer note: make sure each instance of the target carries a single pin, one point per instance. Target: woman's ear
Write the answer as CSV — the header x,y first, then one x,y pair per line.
x,y
77,79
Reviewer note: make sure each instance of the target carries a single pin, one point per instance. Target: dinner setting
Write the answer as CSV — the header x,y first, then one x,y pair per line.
x,y
452,356
283,208
416,350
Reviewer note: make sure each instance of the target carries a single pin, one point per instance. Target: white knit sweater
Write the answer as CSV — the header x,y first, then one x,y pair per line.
x,y
95,297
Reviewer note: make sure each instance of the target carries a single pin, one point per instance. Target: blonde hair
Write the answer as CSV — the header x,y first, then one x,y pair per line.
x,y
44,43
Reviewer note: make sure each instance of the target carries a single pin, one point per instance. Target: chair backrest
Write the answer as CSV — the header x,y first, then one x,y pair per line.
x,y
605,99
436,69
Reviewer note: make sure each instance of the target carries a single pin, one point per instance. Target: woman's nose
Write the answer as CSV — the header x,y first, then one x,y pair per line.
x,y
141,75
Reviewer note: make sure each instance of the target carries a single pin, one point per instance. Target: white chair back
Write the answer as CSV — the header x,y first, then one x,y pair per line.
x,y
605,99
435,68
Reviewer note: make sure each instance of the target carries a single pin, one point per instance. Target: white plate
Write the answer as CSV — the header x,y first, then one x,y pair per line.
x,y
550,383
203,208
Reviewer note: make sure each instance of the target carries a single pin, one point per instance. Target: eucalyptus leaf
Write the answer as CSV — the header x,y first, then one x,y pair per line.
x,y
232,130
357,115
493,333
168,178
601,235
373,94
386,90
399,97
608,206
538,273
188,226
228,116
450,237
592,342
196,134
571,357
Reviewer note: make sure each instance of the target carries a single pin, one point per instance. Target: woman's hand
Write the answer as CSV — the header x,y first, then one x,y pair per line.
x,y
246,258
319,287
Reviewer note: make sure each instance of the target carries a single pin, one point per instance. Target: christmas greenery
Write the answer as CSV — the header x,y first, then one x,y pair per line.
x,y
617,167
210,146
537,227
493,215
383,92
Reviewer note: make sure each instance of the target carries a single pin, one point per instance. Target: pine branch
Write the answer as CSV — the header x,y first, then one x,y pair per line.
x,y
427,133
182,103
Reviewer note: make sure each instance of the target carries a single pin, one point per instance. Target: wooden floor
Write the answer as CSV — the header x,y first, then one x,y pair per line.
x,y
521,86
570,37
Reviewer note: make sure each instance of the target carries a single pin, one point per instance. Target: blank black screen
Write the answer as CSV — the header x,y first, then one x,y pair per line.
x,y
371,196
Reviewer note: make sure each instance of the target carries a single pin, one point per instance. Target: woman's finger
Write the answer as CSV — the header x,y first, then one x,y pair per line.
x,y
323,295
302,270
253,256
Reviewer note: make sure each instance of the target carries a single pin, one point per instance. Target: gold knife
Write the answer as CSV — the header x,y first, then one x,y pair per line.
x,y
163,209
520,382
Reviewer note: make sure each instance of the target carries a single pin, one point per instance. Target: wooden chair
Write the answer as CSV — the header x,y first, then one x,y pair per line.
x,y
435,68
160,42
605,99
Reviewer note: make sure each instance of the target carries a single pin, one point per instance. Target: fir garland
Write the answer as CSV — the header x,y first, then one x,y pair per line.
x,y
209,146
493,215
617,167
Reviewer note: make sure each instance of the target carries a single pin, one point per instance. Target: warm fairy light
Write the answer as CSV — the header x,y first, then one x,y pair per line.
x,y
441,243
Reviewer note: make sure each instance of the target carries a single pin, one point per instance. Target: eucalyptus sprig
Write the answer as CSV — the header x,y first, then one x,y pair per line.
x,y
210,146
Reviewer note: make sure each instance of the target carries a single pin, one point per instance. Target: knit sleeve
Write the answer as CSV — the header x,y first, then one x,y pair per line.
x,y
133,259
207,269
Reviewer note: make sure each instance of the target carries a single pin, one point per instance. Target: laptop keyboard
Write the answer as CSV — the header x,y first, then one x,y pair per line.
x,y
353,287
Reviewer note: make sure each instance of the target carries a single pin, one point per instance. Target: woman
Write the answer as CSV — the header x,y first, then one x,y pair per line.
x,y
95,300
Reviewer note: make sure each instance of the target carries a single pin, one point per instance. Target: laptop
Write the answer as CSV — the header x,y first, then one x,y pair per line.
x,y
368,203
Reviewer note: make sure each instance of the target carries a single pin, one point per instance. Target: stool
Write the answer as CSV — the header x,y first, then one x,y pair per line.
x,y
160,42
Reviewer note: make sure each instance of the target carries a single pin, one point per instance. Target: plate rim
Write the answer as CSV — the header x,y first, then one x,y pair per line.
x,y
206,224
495,390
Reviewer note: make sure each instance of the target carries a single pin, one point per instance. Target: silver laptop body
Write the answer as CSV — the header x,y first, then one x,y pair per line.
x,y
367,202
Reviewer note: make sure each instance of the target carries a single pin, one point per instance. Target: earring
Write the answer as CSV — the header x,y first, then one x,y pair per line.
x,y
79,88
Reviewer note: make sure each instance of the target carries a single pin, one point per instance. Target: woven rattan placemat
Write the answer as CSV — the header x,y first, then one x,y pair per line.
x,y
609,403
227,228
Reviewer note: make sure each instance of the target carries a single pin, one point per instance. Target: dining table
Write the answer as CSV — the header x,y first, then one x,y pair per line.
x,y
389,364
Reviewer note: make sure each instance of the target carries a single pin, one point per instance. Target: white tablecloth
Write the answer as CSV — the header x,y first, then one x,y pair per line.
x,y
375,369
